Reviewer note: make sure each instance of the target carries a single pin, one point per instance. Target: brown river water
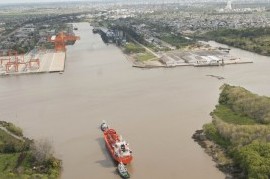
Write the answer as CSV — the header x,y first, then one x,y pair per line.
x,y
156,110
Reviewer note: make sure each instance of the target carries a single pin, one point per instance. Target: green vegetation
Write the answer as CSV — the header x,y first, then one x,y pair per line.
x,y
9,144
140,54
255,40
164,32
176,40
145,56
12,128
133,48
246,103
23,158
212,133
160,31
241,127
255,159
240,135
227,115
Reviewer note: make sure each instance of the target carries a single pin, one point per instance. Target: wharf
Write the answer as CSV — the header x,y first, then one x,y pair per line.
x,y
49,61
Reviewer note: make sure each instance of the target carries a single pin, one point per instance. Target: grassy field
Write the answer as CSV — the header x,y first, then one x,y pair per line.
x,y
145,56
227,115
138,52
133,48
176,40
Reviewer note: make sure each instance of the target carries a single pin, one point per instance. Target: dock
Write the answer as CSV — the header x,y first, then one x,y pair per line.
x,y
33,62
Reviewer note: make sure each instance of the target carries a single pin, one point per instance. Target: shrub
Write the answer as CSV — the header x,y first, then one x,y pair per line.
x,y
246,103
11,144
255,159
227,115
14,129
237,126
240,135
9,148
213,134
42,151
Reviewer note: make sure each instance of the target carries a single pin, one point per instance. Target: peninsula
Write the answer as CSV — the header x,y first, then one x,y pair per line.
x,y
238,137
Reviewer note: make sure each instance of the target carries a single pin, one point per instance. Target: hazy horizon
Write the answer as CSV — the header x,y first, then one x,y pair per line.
x,y
48,1
41,1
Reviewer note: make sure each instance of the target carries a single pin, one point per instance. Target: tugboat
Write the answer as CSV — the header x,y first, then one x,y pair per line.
x,y
118,148
123,170
104,126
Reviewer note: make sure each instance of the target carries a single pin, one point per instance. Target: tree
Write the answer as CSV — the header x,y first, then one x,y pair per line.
x,y
255,159
42,150
246,103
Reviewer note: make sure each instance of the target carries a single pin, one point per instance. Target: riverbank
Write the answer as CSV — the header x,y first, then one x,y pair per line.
x,y
237,139
201,55
219,155
254,39
21,157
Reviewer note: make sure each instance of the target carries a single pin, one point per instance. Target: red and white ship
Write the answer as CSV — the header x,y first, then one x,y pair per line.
x,y
118,148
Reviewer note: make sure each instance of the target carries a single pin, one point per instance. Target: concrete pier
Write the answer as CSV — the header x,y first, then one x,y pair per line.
x,y
50,61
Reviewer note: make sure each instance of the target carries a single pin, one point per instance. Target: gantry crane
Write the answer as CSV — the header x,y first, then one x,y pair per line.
x,y
4,58
15,60
60,41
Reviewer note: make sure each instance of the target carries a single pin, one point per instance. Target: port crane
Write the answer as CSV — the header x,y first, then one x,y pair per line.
x,y
60,41
15,60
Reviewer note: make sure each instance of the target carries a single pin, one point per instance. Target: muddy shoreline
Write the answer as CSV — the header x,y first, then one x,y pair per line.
x,y
219,155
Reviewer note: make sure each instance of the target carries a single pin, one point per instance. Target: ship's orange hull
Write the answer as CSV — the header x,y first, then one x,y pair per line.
x,y
109,143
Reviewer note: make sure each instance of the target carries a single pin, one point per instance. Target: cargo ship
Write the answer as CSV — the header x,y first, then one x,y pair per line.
x,y
118,148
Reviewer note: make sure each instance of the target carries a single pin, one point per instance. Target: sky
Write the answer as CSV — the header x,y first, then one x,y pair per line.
x,y
35,1
41,1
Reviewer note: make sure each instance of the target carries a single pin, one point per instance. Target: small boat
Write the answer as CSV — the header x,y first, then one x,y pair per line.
x,y
123,170
104,126
118,148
